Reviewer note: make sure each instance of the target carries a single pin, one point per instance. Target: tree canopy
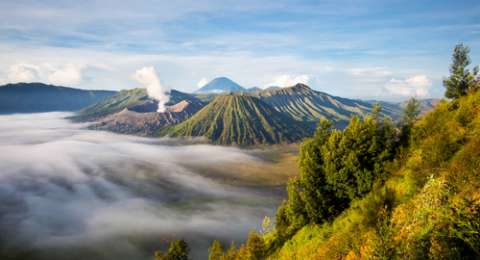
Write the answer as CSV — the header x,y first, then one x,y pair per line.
x,y
177,250
336,166
461,79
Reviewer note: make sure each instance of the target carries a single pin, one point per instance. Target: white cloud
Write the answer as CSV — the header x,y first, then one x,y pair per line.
x,y
147,76
287,80
58,74
22,73
202,82
417,85
113,70
67,75
370,72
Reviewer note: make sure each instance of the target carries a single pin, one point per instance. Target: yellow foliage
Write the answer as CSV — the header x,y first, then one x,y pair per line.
x,y
435,204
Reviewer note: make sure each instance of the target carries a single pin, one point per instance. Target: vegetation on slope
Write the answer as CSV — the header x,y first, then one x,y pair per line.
x,y
428,208
240,119
304,104
371,193
131,98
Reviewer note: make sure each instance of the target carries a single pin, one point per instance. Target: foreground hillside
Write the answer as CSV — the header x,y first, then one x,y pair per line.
x,y
428,208
39,97
240,119
424,204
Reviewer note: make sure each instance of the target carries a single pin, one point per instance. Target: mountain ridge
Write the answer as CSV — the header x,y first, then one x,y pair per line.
x,y
241,120
129,121
305,104
40,97
134,99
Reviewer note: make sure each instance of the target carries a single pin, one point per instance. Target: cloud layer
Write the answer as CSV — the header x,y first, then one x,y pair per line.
x,y
290,80
414,86
66,74
91,195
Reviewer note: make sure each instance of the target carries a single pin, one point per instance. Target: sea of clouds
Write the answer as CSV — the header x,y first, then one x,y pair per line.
x,y
67,192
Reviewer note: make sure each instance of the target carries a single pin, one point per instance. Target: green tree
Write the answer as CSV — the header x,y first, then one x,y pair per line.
x,y
215,252
354,158
461,79
335,168
177,250
411,111
231,253
255,246
315,194
410,115
266,225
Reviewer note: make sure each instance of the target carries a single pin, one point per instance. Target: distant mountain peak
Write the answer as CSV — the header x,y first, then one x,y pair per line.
x,y
221,85
40,97
301,86
298,88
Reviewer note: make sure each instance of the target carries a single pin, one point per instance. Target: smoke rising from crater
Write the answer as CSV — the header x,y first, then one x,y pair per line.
x,y
147,76
66,192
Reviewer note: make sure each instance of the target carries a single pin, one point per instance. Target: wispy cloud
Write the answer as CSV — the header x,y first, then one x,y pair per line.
x,y
414,86
251,41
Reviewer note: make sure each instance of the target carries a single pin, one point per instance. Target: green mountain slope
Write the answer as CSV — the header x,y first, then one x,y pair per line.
x,y
429,208
240,119
133,99
304,104
424,204
39,97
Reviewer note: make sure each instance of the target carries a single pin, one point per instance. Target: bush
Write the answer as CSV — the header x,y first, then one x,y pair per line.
x,y
177,250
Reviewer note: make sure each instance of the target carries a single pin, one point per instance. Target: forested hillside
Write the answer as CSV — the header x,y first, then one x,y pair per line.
x,y
378,190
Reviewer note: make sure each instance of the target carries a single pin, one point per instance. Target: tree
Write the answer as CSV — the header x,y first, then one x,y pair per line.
x,y
177,250
313,198
354,158
461,80
215,252
255,246
335,168
231,253
410,114
411,111
266,225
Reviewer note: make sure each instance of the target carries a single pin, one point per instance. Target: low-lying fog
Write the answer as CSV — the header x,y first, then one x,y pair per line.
x,y
71,193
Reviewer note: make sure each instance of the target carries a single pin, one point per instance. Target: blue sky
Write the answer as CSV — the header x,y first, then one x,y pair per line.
x,y
363,49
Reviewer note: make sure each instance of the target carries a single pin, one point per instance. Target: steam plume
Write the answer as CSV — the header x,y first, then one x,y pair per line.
x,y
148,77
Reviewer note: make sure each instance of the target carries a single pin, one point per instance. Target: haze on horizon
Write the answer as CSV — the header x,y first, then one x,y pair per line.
x,y
358,49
